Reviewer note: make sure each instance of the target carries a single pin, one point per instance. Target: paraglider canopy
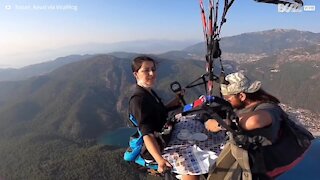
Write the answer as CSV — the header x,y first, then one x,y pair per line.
x,y
300,2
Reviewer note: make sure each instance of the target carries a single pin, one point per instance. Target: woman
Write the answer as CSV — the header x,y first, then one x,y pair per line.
x,y
146,106
148,109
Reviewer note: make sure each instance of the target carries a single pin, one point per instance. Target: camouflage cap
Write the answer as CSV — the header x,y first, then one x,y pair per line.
x,y
238,82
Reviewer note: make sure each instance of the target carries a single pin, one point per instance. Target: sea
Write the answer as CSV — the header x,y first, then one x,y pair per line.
x,y
119,137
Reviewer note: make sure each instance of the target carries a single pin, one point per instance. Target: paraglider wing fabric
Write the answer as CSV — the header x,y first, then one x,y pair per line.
x,y
281,1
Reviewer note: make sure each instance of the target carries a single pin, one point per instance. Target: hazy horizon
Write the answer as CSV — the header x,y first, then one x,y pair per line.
x,y
37,31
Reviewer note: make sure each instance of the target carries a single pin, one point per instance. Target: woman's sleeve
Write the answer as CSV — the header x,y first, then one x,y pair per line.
x,y
142,111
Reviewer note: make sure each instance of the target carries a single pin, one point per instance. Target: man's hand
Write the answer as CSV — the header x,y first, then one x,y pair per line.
x,y
212,125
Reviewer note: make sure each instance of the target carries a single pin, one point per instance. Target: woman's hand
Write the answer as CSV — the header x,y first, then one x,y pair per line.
x,y
154,149
212,125
163,165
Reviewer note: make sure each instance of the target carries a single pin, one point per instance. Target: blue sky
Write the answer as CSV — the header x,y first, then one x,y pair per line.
x,y
26,29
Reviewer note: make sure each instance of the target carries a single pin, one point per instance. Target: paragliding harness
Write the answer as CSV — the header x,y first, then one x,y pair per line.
x,y
133,153
242,151
137,148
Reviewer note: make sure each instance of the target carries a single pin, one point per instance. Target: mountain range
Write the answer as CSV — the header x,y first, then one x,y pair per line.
x,y
12,74
138,46
239,48
51,115
262,42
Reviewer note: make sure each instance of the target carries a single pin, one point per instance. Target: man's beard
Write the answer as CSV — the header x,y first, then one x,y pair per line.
x,y
240,106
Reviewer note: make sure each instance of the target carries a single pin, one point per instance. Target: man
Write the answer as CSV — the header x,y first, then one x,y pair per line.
x,y
244,94
272,147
